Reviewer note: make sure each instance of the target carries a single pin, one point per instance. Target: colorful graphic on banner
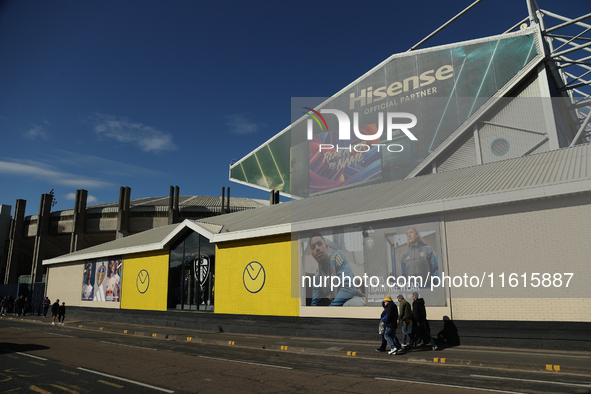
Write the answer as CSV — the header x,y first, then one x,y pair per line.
x,y
442,87
331,168
364,263
102,279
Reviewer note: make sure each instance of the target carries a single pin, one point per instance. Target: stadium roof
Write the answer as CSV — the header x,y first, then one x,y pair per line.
x,y
158,204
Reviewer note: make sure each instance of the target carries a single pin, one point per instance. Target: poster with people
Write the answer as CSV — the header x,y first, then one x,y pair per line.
x,y
359,265
102,279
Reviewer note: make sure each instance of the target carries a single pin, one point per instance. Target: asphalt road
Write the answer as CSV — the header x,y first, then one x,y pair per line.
x,y
42,358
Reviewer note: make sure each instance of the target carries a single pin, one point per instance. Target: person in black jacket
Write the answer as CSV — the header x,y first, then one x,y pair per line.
x,y
389,317
55,308
419,316
46,304
61,313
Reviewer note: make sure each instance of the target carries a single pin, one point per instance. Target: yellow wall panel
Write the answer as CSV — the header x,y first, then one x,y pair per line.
x,y
144,284
254,277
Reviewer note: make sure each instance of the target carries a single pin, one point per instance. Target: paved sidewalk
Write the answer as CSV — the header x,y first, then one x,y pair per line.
x,y
497,357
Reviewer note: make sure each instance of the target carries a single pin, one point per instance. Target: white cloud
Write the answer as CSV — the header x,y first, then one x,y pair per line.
x,y
89,199
104,166
240,125
47,173
37,132
127,131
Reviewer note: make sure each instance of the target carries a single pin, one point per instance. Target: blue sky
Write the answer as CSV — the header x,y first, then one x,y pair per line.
x,y
148,94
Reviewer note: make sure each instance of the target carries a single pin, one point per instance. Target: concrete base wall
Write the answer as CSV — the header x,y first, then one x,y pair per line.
x,y
545,335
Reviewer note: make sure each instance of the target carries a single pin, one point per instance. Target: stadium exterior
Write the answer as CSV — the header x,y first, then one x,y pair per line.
x,y
28,242
497,183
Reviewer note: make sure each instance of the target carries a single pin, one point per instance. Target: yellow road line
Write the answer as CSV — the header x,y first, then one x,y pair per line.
x,y
111,384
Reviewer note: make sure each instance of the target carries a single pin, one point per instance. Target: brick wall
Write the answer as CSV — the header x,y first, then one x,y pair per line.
x,y
543,236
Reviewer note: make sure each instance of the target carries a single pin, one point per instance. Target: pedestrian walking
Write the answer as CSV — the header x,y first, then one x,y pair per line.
x,y
389,317
405,317
61,313
55,310
419,314
46,304
19,305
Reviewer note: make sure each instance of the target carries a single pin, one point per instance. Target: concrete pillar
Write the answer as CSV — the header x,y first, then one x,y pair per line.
x,y
14,242
123,212
173,205
79,221
5,222
41,237
177,190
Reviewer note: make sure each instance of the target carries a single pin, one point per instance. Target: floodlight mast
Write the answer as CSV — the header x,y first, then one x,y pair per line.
x,y
530,10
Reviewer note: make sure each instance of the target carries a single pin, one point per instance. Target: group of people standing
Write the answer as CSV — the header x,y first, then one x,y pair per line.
x,y
414,324
57,311
18,307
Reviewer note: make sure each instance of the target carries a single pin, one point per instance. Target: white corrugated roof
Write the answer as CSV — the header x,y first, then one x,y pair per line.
x,y
557,172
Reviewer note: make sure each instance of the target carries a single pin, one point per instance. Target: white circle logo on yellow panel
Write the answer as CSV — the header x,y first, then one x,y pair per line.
x,y
254,277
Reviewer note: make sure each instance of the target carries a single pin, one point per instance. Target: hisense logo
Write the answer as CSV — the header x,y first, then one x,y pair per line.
x,y
370,95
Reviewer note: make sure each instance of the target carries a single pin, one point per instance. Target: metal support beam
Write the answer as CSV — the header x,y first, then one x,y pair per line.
x,y
568,22
512,127
536,146
443,26
580,132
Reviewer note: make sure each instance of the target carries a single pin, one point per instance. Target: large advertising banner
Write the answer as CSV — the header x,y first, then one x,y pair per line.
x,y
334,168
359,265
382,126
102,279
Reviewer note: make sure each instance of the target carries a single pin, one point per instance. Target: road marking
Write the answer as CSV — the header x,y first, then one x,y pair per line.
x,y
70,372
59,335
522,353
36,363
125,380
38,390
531,380
451,385
110,384
244,362
64,388
25,354
120,344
